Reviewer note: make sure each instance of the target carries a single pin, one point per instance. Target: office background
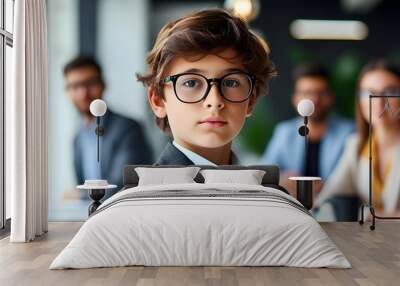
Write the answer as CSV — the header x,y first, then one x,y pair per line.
x,y
119,33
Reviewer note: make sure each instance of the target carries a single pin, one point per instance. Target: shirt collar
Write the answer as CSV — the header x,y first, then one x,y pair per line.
x,y
199,160
91,126
195,158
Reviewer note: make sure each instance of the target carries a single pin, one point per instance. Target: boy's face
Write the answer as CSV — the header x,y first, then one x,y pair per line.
x,y
211,123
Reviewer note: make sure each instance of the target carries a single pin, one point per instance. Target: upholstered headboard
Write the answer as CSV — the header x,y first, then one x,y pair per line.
x,y
270,179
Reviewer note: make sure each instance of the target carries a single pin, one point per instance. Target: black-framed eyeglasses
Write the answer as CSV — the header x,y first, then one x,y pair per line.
x,y
234,87
389,92
316,93
89,83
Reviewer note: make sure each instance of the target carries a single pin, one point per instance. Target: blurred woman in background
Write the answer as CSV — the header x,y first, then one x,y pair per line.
x,y
350,178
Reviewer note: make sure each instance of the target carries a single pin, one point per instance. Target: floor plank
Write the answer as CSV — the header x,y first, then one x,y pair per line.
x,y
374,255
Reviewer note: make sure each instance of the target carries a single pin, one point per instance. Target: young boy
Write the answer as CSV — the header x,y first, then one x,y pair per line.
x,y
205,72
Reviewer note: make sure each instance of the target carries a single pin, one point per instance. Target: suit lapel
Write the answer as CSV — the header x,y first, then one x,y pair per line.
x,y
105,144
172,156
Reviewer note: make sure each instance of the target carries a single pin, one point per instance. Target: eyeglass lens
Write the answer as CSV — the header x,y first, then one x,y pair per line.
x,y
192,87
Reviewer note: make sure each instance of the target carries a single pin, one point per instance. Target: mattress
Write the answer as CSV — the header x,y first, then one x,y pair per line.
x,y
201,225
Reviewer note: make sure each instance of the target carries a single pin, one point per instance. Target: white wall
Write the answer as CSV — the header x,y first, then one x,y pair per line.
x,y
121,48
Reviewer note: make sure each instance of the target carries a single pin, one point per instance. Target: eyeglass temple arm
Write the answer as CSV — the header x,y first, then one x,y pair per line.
x,y
167,79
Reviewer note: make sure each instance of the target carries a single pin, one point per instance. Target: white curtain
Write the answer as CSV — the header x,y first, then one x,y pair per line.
x,y
26,141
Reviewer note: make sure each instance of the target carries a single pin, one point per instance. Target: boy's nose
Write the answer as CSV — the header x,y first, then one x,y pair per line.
x,y
214,98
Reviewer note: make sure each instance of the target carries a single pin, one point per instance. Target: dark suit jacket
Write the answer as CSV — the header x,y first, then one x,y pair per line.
x,y
173,156
123,143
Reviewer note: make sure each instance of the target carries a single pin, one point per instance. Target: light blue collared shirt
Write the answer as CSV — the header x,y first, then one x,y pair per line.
x,y
88,146
286,147
195,158
199,160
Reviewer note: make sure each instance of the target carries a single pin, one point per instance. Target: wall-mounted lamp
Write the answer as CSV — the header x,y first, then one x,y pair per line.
x,y
305,108
304,185
97,187
98,108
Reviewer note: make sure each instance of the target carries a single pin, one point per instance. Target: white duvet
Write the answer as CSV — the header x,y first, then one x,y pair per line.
x,y
185,230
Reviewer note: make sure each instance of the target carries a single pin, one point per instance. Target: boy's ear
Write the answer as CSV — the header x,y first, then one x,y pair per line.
x,y
157,103
250,107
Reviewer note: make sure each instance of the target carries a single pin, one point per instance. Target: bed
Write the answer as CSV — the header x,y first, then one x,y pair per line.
x,y
201,224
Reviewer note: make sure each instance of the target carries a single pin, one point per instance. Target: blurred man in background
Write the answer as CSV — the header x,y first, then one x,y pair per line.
x,y
327,134
123,141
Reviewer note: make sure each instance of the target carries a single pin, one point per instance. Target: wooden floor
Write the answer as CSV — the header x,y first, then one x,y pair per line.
x,y
375,257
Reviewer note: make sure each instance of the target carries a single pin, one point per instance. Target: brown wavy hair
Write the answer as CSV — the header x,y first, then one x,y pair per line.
x,y
362,123
205,32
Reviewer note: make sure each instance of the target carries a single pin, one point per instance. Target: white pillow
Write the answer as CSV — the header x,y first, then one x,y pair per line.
x,y
163,176
248,177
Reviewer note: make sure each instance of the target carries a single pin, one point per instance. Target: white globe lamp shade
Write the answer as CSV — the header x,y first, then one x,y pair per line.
x,y
98,107
305,107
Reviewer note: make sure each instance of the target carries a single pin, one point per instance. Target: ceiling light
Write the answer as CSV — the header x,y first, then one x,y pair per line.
x,y
328,30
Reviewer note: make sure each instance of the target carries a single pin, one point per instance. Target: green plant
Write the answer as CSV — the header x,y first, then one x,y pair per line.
x,y
258,128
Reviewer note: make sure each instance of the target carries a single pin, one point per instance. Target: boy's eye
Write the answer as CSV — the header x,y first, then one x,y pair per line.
x,y
232,83
190,83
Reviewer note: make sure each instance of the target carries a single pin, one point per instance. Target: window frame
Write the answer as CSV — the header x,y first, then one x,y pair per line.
x,y
6,39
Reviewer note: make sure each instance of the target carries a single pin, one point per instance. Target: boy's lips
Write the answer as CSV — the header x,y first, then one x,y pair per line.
x,y
213,122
